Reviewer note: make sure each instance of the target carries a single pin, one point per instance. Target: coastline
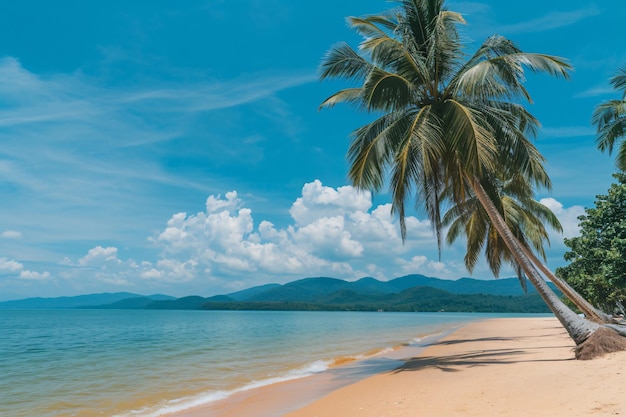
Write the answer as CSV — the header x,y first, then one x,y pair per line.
x,y
496,367
501,367
275,399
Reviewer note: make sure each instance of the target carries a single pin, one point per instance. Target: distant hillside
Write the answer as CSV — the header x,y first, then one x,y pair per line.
x,y
80,301
408,293
311,289
251,292
414,299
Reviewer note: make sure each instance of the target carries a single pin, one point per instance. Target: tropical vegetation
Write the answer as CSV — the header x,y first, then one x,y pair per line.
x,y
450,131
598,256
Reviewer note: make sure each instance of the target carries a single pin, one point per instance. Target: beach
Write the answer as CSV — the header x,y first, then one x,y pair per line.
x,y
298,364
500,367
153,363
503,367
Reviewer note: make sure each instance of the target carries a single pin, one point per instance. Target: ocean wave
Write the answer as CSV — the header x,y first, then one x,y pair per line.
x,y
205,398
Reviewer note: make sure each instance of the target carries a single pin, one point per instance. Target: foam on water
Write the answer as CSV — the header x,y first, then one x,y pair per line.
x,y
181,404
316,367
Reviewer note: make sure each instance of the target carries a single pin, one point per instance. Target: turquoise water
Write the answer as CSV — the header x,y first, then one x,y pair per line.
x,y
143,363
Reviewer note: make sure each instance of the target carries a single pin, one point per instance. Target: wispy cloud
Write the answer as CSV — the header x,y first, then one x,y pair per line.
x,y
550,21
77,149
36,99
483,22
597,91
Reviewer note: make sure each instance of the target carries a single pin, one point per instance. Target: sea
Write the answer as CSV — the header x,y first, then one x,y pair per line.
x,y
149,363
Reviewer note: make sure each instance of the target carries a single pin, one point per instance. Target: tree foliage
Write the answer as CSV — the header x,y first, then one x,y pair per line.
x,y
610,119
598,256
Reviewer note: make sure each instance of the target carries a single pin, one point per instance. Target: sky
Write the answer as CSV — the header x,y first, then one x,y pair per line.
x,y
177,147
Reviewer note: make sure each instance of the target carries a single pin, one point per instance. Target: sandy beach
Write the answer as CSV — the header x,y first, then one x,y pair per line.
x,y
503,367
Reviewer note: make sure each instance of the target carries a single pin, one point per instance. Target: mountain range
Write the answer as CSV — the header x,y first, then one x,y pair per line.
x,y
407,293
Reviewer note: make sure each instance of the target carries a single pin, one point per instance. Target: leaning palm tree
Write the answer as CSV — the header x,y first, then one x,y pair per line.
x,y
610,119
525,217
444,121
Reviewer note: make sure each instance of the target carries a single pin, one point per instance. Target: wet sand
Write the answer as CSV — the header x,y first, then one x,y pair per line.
x,y
501,367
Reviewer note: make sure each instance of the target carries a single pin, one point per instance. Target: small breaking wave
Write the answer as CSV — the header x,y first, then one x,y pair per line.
x,y
205,398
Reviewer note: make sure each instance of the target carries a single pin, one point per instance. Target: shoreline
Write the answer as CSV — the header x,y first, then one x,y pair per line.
x,y
502,367
279,398
495,367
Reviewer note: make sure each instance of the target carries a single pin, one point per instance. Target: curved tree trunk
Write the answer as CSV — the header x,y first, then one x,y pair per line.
x,y
589,310
578,328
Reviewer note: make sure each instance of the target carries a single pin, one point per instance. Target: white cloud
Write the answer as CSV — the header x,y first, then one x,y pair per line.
x,y
11,234
596,91
9,265
170,270
335,231
34,276
567,216
319,201
421,264
215,203
99,256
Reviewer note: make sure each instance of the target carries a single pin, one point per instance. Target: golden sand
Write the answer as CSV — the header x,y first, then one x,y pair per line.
x,y
502,367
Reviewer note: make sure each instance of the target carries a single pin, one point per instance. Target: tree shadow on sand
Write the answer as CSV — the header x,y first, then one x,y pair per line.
x,y
456,363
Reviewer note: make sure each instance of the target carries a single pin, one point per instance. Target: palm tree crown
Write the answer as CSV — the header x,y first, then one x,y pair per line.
x,y
444,121
610,119
524,216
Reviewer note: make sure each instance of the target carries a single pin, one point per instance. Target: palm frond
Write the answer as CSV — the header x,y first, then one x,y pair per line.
x,y
610,119
386,91
349,95
470,137
341,61
618,81
372,148
620,160
415,158
496,70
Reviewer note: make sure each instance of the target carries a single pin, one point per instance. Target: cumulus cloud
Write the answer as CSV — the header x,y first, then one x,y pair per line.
x,y
334,231
9,265
34,276
318,201
169,270
423,265
567,216
99,256
104,265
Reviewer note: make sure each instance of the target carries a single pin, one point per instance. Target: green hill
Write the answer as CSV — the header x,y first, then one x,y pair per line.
x,y
407,293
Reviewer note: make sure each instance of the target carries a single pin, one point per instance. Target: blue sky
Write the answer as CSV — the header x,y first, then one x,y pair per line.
x,y
176,147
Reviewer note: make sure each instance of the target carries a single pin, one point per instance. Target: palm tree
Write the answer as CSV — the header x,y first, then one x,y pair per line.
x,y
444,123
610,119
525,217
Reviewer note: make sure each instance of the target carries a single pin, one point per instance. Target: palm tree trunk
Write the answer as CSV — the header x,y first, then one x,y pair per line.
x,y
577,327
579,301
